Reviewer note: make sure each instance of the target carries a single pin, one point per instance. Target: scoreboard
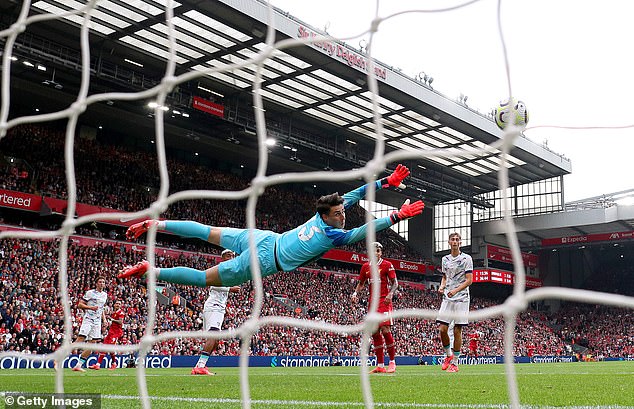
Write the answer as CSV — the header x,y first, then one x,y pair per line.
x,y
493,275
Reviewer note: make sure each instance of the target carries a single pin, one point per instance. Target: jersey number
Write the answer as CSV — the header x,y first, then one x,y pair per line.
x,y
304,236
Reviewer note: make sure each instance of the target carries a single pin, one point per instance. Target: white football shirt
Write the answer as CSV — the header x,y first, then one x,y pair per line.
x,y
455,268
217,300
94,298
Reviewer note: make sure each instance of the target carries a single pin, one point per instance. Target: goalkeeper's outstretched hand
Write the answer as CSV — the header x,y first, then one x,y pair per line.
x,y
408,210
138,229
397,177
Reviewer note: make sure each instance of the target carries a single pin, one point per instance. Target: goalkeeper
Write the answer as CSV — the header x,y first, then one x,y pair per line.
x,y
275,252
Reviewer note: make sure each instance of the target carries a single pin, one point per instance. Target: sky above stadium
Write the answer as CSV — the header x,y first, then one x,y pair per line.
x,y
569,62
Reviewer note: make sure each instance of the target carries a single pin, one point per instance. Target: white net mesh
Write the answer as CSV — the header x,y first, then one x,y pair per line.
x,y
515,304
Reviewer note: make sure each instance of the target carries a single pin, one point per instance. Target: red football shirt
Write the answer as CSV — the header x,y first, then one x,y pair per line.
x,y
386,272
473,341
117,315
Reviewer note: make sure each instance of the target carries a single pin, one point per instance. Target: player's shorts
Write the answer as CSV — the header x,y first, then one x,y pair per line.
x,y
238,270
213,319
460,307
113,337
386,310
91,329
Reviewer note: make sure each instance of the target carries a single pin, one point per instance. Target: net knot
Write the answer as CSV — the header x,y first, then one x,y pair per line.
x,y
250,327
259,184
158,207
374,27
169,81
375,166
18,27
68,227
146,342
515,304
79,106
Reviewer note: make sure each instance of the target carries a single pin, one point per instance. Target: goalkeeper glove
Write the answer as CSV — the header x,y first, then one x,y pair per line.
x,y
396,178
407,211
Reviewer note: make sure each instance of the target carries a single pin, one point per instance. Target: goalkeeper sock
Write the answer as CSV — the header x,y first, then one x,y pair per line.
x,y
186,228
202,360
183,275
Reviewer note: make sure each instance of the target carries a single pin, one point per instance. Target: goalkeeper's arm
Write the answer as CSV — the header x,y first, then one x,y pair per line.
x,y
342,237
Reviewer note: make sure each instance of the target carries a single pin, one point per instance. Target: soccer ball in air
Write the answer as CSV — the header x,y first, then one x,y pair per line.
x,y
511,111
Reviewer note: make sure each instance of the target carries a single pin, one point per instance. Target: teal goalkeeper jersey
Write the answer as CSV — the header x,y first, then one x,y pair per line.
x,y
312,239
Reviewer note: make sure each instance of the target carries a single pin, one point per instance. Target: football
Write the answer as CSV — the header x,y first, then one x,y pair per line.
x,y
511,111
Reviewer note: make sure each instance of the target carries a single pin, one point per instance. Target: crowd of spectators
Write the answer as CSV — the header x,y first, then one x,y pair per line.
x,y
603,330
14,176
119,178
32,316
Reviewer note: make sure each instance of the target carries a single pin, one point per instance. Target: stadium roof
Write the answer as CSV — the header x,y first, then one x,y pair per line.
x,y
316,96
587,221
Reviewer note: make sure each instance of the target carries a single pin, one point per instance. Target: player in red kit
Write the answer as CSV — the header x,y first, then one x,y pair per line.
x,y
388,285
115,332
474,339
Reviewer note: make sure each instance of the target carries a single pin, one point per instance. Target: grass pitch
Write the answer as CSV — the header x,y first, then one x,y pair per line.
x,y
572,385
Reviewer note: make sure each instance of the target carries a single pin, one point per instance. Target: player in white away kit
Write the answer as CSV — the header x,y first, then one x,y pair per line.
x,y
457,269
213,316
92,303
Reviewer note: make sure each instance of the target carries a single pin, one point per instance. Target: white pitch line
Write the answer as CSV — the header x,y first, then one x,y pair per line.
x,y
278,403
294,403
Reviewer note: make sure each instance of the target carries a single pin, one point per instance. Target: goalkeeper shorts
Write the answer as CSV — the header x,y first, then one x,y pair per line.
x,y
238,270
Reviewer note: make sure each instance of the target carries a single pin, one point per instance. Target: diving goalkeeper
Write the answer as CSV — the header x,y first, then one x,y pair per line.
x,y
275,252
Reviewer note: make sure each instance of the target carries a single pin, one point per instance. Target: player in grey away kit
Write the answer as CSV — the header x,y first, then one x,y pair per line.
x,y
457,269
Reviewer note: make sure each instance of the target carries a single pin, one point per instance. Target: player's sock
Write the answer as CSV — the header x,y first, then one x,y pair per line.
x,y
186,228
202,360
183,275
378,349
82,362
100,357
456,355
389,344
113,358
448,350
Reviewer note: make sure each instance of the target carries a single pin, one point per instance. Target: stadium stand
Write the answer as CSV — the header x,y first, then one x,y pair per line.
x,y
30,316
31,320
119,178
